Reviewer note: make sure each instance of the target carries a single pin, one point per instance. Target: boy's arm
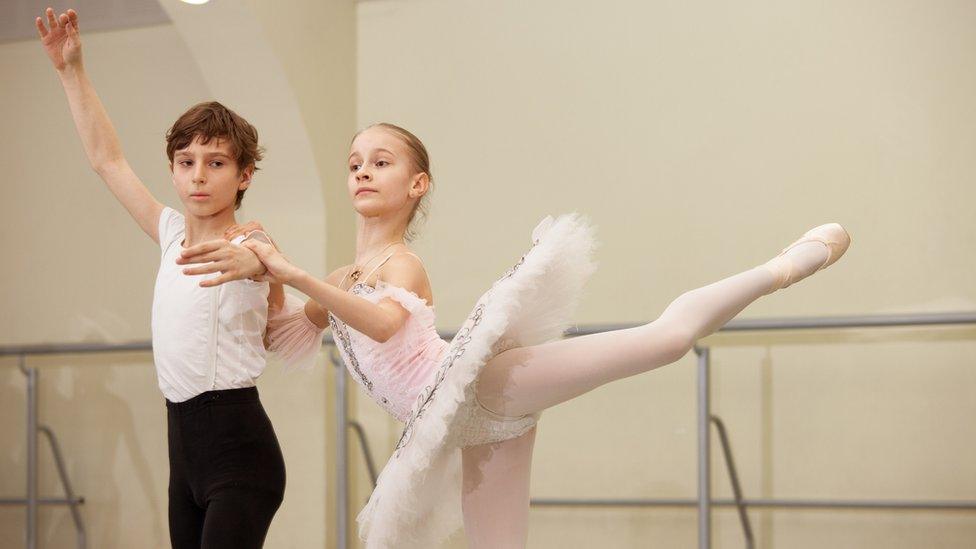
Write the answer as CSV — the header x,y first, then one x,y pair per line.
x,y
62,43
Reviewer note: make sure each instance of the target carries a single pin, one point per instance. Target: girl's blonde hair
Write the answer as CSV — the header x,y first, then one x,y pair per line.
x,y
421,162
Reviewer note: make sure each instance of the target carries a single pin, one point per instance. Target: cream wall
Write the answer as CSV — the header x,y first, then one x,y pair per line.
x,y
701,138
315,43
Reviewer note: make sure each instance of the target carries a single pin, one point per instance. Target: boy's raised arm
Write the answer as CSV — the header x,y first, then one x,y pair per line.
x,y
62,43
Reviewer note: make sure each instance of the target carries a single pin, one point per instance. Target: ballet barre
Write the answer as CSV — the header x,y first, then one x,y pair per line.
x,y
33,501
704,501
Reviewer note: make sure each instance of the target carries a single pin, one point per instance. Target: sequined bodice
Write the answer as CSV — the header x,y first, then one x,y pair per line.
x,y
392,372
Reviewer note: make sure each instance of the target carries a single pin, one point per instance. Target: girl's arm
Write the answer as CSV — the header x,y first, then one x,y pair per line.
x,y
276,297
318,314
377,321
294,330
62,43
315,312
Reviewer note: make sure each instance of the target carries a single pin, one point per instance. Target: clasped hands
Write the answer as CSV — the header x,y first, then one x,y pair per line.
x,y
253,259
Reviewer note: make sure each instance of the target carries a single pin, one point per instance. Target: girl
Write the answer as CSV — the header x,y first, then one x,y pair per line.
x,y
471,406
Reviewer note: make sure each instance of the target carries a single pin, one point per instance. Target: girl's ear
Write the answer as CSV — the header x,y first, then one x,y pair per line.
x,y
420,185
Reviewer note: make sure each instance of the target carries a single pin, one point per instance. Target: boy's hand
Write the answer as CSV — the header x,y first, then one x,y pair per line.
x,y
60,39
232,261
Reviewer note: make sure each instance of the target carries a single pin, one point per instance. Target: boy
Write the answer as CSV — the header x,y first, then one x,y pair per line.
x,y
227,474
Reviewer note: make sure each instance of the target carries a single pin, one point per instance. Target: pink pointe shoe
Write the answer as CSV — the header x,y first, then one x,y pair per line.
x,y
831,235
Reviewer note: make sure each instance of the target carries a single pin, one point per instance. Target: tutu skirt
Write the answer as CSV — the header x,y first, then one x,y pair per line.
x,y
417,500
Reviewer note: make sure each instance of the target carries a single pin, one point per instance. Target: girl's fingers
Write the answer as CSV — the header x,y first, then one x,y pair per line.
x,y
258,247
41,29
73,15
253,245
240,230
51,21
63,19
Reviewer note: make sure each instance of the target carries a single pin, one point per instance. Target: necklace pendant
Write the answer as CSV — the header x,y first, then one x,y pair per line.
x,y
355,274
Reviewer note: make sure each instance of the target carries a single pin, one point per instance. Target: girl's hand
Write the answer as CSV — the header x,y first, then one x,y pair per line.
x,y
280,270
233,262
235,231
60,39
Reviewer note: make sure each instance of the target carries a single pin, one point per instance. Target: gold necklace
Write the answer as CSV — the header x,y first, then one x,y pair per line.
x,y
356,273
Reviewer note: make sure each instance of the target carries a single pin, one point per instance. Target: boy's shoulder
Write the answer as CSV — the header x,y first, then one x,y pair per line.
x,y
172,225
172,213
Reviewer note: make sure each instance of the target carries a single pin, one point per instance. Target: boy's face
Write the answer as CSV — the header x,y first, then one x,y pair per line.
x,y
207,177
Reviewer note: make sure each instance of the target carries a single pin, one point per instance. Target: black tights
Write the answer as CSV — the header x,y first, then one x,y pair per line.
x,y
227,476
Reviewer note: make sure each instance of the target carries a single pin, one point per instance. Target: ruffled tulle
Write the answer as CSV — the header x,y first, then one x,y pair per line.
x,y
292,337
417,501
413,303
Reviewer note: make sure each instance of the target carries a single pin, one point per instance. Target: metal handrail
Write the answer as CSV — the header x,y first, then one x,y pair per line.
x,y
736,325
739,502
33,501
704,502
734,480
73,501
367,455
872,504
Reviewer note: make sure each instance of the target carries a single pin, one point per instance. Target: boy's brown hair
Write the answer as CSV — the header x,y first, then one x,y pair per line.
x,y
211,120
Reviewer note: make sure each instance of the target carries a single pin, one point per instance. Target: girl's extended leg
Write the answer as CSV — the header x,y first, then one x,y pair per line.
x,y
495,493
530,379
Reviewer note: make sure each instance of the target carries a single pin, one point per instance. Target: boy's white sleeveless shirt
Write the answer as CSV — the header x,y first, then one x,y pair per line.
x,y
203,339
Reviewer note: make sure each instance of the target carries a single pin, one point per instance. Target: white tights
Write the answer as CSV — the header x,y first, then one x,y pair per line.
x,y
525,380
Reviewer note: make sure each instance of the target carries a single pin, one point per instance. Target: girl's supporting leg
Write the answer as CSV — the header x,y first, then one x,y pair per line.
x,y
495,493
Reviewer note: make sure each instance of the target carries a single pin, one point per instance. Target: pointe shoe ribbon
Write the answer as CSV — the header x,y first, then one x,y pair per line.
x,y
831,235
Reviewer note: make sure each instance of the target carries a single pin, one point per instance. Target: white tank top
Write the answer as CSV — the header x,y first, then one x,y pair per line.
x,y
203,338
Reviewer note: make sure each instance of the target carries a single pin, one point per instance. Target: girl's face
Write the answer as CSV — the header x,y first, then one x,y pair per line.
x,y
206,177
382,178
